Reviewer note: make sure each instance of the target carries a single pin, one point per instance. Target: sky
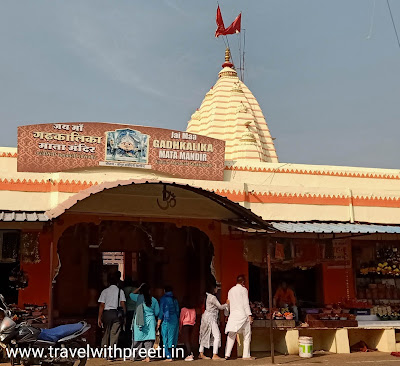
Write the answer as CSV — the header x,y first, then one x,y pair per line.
x,y
326,73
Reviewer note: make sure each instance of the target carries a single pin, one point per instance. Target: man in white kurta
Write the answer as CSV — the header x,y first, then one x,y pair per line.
x,y
240,319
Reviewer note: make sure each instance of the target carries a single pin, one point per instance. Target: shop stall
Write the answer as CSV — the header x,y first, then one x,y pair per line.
x,y
377,271
346,288
20,249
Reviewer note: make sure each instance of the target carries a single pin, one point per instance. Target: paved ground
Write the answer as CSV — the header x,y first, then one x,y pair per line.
x,y
381,359
321,359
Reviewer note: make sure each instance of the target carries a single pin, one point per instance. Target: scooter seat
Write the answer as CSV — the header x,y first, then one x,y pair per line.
x,y
55,334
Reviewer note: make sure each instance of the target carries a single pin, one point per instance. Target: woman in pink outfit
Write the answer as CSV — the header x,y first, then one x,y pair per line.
x,y
187,321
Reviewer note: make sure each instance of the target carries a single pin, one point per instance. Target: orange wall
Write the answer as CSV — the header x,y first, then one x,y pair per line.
x,y
229,263
232,264
338,283
38,288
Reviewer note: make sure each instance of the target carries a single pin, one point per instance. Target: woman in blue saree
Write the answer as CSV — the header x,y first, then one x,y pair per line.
x,y
169,320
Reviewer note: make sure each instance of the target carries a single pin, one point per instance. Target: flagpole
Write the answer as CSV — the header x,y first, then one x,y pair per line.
x,y
240,54
222,31
244,48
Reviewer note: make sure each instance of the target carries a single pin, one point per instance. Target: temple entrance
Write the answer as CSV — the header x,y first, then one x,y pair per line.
x,y
157,253
154,232
154,224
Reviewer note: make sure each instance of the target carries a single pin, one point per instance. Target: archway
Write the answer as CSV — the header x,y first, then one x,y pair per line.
x,y
153,252
138,203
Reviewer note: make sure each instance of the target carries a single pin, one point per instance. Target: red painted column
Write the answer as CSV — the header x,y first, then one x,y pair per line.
x,y
37,291
232,264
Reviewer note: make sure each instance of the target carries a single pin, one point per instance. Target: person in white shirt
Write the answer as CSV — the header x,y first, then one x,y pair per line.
x,y
240,318
108,313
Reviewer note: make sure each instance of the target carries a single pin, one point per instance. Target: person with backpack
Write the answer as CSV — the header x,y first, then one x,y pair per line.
x,y
112,306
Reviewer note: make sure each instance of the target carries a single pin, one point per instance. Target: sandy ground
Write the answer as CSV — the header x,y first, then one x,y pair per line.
x,y
378,358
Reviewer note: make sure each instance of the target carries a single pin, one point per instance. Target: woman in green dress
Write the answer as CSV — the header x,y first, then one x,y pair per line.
x,y
144,324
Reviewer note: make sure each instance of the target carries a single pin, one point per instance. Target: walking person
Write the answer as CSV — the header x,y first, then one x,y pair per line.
x,y
187,320
144,323
209,328
240,318
129,287
110,300
169,321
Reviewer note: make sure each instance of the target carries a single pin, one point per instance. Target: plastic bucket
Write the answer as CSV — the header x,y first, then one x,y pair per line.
x,y
306,347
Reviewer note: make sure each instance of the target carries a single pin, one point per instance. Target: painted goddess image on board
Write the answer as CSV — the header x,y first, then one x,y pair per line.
x,y
127,145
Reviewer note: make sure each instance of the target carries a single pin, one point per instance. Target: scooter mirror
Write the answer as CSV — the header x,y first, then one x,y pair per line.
x,y
3,301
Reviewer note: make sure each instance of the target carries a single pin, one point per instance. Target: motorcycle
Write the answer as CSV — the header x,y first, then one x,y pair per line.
x,y
28,345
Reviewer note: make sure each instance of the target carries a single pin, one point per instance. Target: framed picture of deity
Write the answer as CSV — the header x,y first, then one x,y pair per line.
x,y
127,145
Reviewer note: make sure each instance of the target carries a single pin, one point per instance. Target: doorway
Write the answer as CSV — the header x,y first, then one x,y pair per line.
x,y
157,253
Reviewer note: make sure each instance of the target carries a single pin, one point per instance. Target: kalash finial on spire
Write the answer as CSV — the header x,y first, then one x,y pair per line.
x,y
228,62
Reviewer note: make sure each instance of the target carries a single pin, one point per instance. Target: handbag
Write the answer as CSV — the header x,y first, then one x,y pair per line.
x,y
120,309
157,341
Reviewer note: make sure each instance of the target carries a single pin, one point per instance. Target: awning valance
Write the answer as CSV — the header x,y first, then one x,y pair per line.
x,y
329,228
21,216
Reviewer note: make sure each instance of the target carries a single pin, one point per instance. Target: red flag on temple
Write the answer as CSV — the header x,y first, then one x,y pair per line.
x,y
232,29
220,24
235,26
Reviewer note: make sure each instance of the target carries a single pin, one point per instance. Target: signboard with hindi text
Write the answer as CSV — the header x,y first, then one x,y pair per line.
x,y
64,146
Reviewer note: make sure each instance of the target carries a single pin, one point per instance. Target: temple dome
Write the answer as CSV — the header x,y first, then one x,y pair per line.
x,y
230,112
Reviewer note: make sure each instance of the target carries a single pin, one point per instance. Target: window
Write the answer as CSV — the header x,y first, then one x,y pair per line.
x,y
9,246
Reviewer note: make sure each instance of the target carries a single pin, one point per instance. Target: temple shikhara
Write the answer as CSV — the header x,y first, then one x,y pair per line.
x,y
231,113
79,200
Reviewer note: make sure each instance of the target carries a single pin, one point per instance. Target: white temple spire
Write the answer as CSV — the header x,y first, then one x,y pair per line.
x,y
230,112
